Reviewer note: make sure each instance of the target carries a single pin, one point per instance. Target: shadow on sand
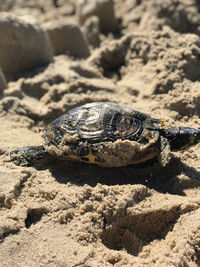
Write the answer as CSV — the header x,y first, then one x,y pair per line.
x,y
150,174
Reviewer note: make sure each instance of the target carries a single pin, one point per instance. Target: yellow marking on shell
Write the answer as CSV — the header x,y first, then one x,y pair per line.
x,y
163,123
91,157
74,157
124,131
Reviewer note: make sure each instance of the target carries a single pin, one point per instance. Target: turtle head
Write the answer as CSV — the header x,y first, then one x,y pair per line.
x,y
182,137
29,155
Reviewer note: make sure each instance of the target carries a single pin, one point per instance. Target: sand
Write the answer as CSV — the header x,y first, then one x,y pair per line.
x,y
141,54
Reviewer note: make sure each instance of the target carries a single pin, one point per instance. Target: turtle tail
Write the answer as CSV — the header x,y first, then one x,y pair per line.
x,y
182,137
29,156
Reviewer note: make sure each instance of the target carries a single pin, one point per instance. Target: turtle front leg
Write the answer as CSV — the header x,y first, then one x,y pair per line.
x,y
29,156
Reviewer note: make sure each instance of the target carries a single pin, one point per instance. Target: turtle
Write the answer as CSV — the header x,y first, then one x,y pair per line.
x,y
108,135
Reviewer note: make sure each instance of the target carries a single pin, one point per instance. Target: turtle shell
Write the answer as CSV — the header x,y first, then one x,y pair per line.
x,y
103,133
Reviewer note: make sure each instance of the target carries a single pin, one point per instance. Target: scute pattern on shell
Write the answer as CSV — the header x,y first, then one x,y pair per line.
x,y
98,122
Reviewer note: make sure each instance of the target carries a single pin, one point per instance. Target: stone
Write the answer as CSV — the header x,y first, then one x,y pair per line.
x,y
24,45
103,9
67,38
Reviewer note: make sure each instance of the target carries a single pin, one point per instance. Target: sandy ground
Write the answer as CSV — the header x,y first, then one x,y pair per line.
x,y
142,54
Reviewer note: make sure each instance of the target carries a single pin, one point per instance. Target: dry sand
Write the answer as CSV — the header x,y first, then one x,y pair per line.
x,y
142,54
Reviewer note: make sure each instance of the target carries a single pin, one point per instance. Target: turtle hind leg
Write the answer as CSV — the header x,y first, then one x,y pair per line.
x,y
29,156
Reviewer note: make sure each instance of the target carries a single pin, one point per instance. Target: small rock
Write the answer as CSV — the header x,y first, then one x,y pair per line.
x,y
103,9
23,45
67,38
